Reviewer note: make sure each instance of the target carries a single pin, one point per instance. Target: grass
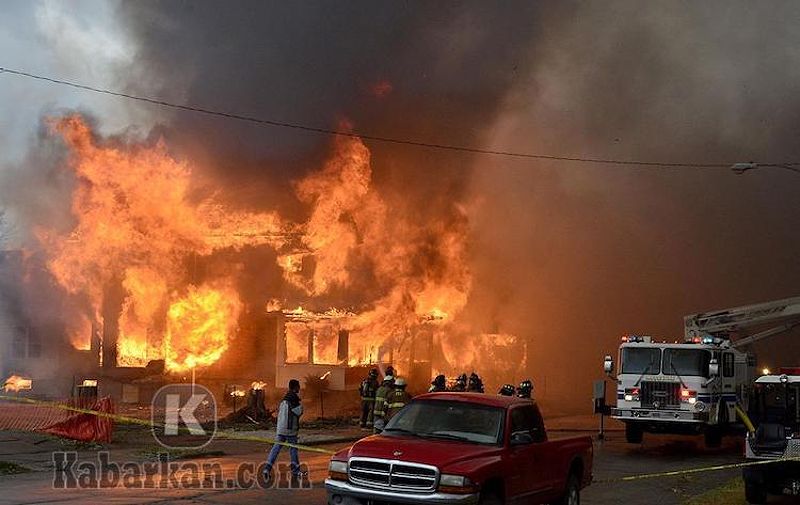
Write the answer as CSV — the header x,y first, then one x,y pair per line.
x,y
9,468
730,493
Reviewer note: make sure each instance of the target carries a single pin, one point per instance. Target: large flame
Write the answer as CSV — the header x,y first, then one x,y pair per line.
x,y
199,327
136,229
140,225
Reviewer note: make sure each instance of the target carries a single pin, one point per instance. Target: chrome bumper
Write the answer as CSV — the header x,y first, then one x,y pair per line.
x,y
344,493
679,416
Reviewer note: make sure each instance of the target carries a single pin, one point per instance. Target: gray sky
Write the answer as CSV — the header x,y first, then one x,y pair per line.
x,y
79,41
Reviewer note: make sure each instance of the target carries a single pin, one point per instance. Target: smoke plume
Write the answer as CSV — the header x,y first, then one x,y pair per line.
x,y
568,256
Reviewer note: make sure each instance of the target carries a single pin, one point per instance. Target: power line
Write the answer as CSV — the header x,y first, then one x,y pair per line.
x,y
377,138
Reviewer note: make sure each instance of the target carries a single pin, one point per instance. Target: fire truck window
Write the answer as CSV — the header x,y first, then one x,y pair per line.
x,y
727,365
686,362
641,360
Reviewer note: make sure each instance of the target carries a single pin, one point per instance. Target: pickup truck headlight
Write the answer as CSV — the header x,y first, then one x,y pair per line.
x,y
337,470
456,484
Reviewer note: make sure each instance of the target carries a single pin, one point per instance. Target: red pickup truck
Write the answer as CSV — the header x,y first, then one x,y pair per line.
x,y
462,448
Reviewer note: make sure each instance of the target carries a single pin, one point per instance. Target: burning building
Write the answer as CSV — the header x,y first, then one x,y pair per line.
x,y
159,275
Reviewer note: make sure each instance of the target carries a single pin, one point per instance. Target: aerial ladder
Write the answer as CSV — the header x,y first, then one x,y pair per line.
x,y
737,324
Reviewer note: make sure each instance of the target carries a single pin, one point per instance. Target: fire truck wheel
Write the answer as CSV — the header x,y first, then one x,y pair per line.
x,y
755,492
633,433
713,436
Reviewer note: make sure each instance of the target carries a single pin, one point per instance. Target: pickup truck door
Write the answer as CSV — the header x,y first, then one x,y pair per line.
x,y
530,473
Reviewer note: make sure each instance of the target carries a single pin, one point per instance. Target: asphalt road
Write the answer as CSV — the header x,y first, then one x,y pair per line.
x,y
613,458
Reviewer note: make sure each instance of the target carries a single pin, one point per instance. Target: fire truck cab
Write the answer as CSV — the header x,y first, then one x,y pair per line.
x,y
685,388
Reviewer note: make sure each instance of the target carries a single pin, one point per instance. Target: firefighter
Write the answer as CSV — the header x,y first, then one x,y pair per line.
x,y
475,384
397,399
525,389
390,371
461,383
438,384
506,390
381,396
368,388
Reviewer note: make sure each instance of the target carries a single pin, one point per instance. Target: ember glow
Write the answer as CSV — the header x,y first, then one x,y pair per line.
x,y
140,229
15,384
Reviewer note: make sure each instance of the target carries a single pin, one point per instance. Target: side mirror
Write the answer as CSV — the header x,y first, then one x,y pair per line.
x,y
713,368
608,365
521,438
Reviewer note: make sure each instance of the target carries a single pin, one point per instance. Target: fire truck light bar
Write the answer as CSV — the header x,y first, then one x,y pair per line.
x,y
636,339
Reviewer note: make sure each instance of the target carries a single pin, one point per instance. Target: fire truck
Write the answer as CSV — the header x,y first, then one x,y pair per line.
x,y
700,385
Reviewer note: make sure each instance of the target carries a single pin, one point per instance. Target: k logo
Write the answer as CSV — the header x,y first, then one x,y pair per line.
x,y
184,416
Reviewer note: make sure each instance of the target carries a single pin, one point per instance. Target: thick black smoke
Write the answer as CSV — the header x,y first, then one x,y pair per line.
x,y
568,255
582,254
432,71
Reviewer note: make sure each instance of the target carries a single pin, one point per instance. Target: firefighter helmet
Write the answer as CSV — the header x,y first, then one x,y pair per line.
x,y
475,383
506,390
525,389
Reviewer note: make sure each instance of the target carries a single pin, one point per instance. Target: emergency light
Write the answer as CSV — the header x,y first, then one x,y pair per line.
x,y
636,339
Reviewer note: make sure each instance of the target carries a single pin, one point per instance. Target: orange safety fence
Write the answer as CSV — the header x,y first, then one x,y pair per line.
x,y
69,419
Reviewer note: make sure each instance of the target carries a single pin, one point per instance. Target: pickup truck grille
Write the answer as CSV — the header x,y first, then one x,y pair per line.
x,y
391,474
660,394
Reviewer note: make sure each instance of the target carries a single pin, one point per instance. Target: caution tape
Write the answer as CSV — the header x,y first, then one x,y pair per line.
x,y
232,435
227,434
678,473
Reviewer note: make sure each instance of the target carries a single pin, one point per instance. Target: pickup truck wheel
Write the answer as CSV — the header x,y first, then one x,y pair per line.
x,y
755,492
490,499
572,495
633,433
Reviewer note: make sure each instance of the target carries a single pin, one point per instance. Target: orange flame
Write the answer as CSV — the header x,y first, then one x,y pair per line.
x,y
15,384
136,225
199,327
140,222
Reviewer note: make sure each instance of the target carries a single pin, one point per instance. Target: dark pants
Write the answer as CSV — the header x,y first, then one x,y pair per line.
x,y
367,412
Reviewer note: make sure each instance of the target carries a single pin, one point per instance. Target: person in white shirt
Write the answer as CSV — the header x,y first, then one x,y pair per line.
x,y
289,412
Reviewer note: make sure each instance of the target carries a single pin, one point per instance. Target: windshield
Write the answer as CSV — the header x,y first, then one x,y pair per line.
x,y
641,360
776,403
686,362
460,421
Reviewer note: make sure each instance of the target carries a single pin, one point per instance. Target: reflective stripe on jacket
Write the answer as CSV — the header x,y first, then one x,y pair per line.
x,y
380,400
396,400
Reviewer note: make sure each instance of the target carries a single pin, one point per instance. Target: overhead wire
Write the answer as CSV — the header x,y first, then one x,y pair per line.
x,y
385,139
